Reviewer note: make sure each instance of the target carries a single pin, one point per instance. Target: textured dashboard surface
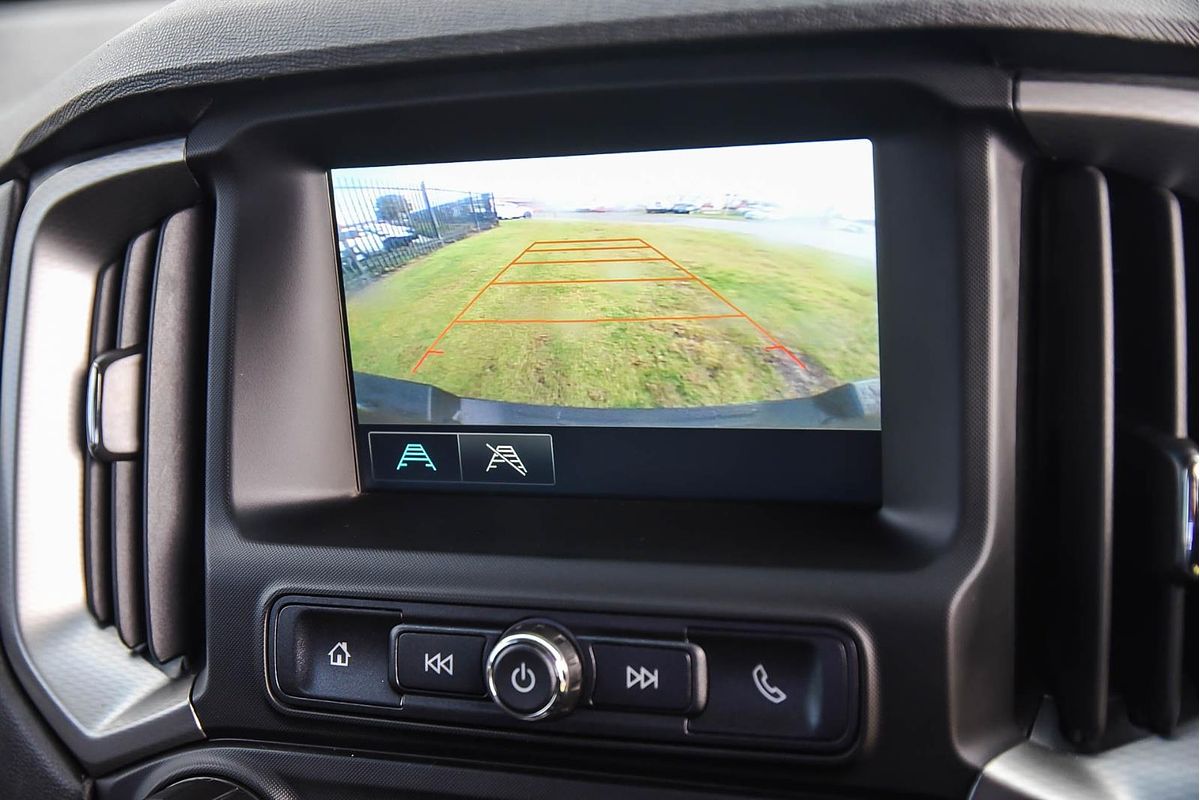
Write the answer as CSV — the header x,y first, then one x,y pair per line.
x,y
314,774
194,43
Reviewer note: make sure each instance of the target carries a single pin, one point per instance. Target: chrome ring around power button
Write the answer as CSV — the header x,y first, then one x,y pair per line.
x,y
546,672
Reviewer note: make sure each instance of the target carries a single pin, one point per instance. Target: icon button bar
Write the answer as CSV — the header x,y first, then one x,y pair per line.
x,y
443,457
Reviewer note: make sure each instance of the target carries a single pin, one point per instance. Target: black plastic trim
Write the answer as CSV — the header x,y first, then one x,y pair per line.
x,y
1076,368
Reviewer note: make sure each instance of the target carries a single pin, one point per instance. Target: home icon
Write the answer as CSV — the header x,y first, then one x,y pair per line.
x,y
339,656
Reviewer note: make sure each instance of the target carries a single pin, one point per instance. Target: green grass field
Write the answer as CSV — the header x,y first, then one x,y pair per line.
x,y
820,305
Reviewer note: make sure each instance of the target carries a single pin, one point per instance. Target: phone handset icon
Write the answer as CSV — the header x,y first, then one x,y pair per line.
x,y
762,682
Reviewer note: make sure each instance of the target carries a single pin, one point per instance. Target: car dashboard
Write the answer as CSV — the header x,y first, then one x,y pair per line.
x,y
654,400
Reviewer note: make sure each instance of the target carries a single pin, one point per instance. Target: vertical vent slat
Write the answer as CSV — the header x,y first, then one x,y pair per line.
x,y
1152,451
127,497
1117,456
97,520
1075,434
173,439
1190,215
1150,307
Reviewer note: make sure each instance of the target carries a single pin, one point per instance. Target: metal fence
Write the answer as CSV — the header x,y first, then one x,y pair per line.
x,y
382,228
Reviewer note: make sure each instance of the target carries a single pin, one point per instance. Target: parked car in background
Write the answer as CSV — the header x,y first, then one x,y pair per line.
x,y
394,236
512,211
361,242
762,212
683,208
848,225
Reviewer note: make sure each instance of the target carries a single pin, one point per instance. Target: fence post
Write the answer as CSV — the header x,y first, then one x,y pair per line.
x,y
432,216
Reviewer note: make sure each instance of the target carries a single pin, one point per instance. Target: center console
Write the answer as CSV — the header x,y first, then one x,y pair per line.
x,y
708,685
721,597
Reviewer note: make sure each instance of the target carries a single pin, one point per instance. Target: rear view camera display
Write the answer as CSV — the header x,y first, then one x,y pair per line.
x,y
730,287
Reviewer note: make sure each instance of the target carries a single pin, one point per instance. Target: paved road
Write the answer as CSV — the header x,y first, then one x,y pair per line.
x,y
805,232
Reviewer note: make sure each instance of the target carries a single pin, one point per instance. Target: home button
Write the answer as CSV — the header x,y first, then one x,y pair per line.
x,y
329,653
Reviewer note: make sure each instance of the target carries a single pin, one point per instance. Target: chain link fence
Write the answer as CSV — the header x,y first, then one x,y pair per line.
x,y
381,228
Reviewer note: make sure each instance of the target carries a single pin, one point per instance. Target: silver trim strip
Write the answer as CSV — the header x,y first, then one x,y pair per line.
x,y
1151,768
1189,490
113,415
108,705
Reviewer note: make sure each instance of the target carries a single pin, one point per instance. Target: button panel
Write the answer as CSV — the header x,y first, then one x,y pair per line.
x,y
687,682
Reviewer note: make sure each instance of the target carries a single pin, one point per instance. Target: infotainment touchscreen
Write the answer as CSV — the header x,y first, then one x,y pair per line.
x,y
493,306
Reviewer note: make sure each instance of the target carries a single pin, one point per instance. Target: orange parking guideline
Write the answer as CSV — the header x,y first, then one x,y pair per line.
x,y
586,249
670,278
775,342
596,319
430,350
590,241
516,262
589,261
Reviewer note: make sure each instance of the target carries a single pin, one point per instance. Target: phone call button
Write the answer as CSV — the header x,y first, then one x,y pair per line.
x,y
775,686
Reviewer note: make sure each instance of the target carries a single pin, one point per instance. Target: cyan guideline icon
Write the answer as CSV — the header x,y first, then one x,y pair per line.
x,y
415,454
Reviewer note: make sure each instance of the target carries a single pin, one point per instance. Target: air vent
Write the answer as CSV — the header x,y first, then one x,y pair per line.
x,y
1114,483
144,421
65,311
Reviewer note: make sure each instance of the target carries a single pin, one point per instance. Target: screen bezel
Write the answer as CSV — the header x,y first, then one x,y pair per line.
x,y
257,155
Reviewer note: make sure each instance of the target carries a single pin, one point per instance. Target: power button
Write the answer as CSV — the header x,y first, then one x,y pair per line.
x,y
534,672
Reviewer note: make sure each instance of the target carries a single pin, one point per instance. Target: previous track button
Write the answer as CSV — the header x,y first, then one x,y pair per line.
x,y
507,458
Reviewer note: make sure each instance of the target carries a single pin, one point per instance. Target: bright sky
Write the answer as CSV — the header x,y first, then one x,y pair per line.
x,y
804,178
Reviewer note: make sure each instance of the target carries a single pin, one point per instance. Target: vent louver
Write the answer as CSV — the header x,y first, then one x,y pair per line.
x,y
144,420
1113,483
